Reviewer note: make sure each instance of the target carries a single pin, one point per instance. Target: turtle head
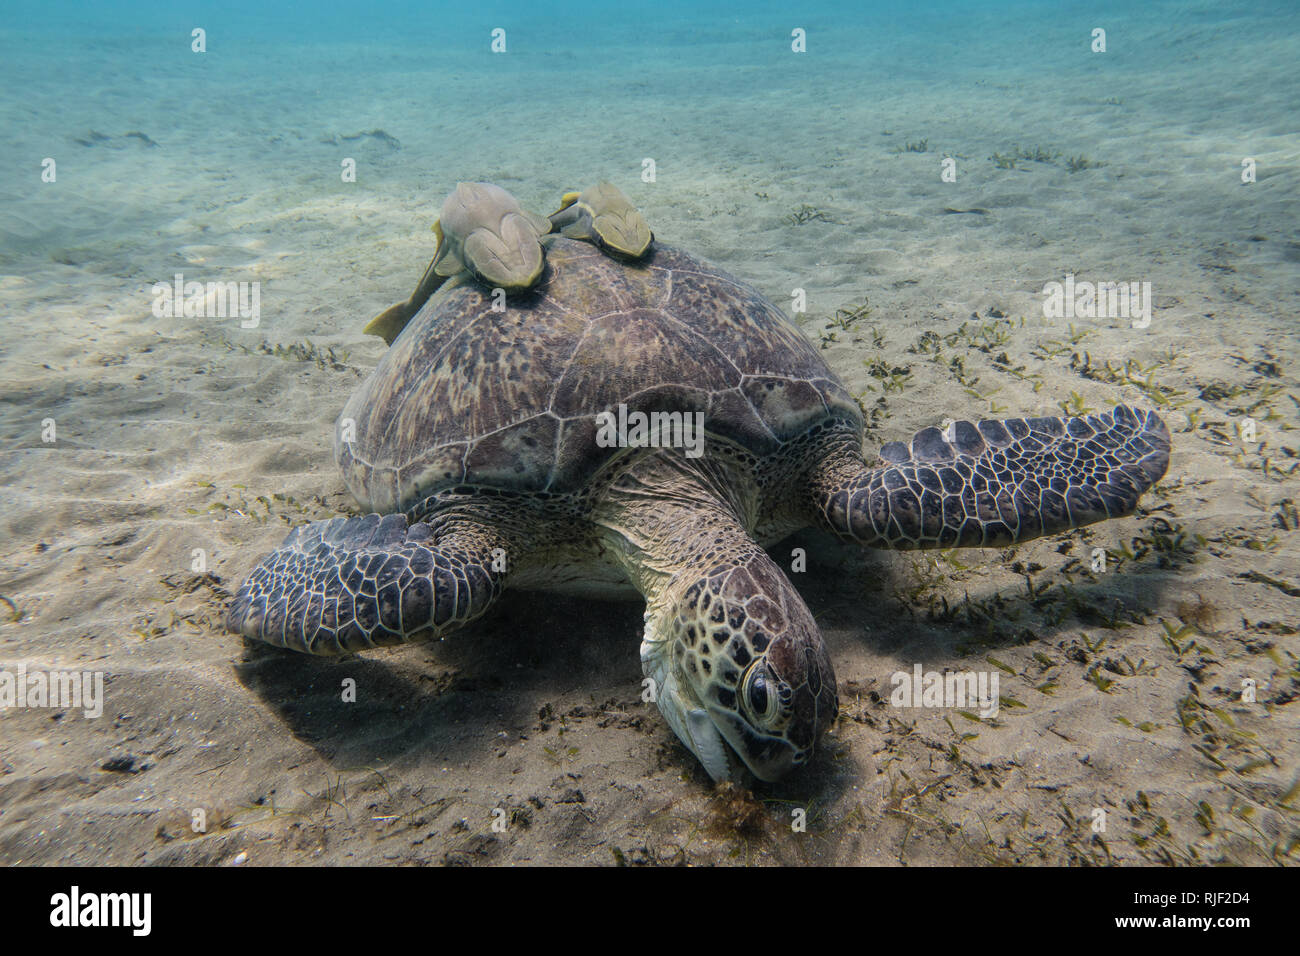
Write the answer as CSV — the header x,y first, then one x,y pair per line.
x,y
740,671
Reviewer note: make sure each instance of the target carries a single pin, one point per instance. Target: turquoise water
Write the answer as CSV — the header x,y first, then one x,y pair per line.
x,y
581,92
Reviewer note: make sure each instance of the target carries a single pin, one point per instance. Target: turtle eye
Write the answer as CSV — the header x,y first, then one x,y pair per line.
x,y
759,694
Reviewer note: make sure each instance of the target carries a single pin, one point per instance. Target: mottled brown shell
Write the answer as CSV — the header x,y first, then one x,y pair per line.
x,y
508,400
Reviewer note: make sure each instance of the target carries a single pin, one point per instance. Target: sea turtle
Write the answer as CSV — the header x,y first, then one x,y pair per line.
x,y
482,228
603,216
482,442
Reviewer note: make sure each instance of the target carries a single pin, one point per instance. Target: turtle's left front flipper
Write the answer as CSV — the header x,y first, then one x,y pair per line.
x,y
993,483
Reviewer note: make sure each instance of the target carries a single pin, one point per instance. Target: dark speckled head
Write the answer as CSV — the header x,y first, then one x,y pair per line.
x,y
748,666
468,395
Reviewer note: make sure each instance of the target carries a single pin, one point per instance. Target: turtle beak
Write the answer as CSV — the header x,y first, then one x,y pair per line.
x,y
709,745
687,718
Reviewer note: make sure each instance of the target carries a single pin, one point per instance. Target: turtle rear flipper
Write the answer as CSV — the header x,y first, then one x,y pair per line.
x,y
345,585
996,482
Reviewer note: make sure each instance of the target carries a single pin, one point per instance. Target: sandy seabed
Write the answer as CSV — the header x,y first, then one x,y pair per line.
x,y
1122,691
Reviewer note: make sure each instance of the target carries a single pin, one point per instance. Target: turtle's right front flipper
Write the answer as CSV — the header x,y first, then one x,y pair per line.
x,y
349,584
